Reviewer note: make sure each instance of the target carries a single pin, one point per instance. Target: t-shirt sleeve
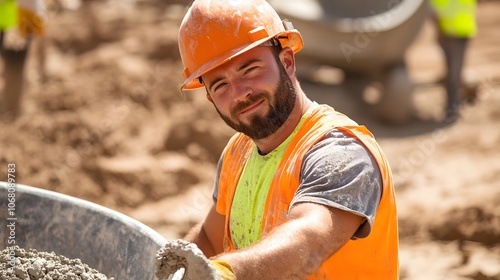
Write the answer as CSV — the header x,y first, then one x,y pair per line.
x,y
215,193
340,172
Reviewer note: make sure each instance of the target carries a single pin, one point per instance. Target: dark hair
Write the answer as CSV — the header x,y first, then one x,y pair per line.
x,y
277,49
275,44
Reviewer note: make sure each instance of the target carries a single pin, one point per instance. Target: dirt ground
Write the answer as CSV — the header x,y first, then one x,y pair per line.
x,y
106,123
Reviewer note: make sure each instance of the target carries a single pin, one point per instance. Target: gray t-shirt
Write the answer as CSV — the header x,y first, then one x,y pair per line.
x,y
338,172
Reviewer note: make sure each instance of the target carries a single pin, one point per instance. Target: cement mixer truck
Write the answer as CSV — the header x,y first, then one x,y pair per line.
x,y
367,40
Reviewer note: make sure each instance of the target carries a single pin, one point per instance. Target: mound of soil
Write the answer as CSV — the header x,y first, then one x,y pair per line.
x,y
19,264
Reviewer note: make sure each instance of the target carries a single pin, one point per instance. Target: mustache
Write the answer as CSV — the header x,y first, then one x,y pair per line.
x,y
251,100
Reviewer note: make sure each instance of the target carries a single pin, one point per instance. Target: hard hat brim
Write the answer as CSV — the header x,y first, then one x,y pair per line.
x,y
289,38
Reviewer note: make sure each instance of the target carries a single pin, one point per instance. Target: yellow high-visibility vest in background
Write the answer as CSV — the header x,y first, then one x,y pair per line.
x,y
8,14
456,18
27,15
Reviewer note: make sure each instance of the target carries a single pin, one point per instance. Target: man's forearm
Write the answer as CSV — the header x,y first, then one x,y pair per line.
x,y
279,256
198,236
298,247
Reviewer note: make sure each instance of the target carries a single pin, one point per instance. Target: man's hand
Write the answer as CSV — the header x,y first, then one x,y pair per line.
x,y
178,254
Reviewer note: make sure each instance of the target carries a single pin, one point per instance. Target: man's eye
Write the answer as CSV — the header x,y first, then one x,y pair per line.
x,y
251,69
219,86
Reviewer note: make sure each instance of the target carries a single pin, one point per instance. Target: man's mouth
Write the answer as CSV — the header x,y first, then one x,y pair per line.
x,y
252,107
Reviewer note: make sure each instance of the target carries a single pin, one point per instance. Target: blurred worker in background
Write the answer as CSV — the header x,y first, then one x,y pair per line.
x,y
20,21
301,190
456,24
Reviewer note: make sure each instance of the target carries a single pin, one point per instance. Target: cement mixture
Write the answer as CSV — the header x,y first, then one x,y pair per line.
x,y
178,254
17,263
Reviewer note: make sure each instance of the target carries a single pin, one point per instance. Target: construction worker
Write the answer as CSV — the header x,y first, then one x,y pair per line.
x,y
301,191
456,25
19,22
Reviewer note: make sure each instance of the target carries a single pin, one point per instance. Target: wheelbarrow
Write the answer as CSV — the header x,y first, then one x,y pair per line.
x,y
113,243
367,40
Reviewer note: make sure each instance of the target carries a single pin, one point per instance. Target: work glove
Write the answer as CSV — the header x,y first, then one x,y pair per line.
x,y
224,270
185,261
30,23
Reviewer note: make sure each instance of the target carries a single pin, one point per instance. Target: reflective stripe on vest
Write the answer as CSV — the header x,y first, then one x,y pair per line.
x,y
373,257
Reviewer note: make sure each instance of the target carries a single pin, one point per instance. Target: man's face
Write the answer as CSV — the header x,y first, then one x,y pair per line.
x,y
252,93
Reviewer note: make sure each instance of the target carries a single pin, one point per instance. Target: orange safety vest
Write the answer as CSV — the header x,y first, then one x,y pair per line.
x,y
373,257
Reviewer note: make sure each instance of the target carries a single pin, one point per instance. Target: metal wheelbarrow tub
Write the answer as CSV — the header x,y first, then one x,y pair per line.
x,y
114,244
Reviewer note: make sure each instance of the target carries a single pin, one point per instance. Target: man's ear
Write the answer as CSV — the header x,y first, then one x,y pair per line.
x,y
287,59
209,98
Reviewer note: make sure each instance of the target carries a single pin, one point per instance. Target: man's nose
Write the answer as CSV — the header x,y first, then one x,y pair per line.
x,y
242,90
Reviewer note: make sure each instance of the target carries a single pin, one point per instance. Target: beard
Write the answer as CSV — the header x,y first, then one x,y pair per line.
x,y
281,105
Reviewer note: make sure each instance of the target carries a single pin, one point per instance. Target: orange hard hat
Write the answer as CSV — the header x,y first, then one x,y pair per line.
x,y
214,31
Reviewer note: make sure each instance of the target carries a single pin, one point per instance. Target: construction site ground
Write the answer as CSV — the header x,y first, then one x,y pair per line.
x,y
107,123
